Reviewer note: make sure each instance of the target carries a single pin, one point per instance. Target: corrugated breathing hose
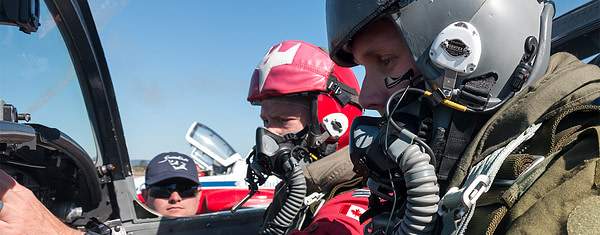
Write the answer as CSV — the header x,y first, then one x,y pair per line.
x,y
291,206
422,192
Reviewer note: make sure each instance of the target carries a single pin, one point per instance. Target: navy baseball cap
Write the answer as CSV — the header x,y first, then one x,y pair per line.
x,y
171,165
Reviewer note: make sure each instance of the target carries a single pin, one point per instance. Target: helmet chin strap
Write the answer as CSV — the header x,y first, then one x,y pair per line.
x,y
317,140
315,137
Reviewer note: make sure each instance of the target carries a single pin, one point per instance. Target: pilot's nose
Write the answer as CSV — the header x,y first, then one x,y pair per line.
x,y
373,94
174,198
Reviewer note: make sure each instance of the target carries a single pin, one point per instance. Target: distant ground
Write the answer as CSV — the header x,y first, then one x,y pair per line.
x,y
138,172
139,167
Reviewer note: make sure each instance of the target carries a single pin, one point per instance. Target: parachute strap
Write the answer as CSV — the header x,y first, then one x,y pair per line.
x,y
565,129
491,207
459,135
557,136
458,205
514,166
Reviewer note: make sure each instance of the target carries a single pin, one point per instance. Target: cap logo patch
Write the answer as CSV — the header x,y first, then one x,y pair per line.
x,y
177,162
279,58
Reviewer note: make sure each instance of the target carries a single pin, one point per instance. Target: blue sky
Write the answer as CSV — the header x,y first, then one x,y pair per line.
x,y
177,62
174,63
184,61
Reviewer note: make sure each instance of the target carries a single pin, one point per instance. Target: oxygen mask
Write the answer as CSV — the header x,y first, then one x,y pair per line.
x,y
279,155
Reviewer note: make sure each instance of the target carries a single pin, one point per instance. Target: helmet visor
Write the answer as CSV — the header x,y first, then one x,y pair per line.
x,y
344,19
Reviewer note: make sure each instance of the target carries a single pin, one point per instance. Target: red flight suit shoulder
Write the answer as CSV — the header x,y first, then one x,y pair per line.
x,y
340,215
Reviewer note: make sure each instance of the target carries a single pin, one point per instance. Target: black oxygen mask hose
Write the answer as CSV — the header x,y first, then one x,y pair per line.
x,y
291,207
283,156
387,154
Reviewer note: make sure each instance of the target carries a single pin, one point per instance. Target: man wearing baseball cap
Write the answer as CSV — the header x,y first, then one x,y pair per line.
x,y
172,186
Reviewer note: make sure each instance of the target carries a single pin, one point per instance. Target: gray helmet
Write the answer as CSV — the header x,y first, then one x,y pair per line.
x,y
454,41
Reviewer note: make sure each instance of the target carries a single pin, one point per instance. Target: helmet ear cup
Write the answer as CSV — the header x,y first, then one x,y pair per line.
x,y
336,124
457,47
335,119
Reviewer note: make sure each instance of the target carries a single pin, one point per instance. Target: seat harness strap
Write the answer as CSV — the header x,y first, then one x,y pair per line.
x,y
457,206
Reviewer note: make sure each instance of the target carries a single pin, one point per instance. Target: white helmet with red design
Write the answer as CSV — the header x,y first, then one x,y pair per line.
x,y
295,68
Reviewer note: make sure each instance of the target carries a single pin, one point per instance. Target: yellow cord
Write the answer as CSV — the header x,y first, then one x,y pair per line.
x,y
451,104
313,156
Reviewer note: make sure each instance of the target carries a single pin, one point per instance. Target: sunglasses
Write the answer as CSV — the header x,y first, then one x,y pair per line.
x,y
165,191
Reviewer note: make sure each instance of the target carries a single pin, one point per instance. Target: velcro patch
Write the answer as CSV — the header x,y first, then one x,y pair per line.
x,y
585,219
352,211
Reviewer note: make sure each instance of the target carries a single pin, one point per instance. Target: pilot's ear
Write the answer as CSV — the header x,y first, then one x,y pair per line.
x,y
145,195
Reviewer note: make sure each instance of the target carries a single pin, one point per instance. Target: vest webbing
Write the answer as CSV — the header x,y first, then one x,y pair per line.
x,y
494,205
